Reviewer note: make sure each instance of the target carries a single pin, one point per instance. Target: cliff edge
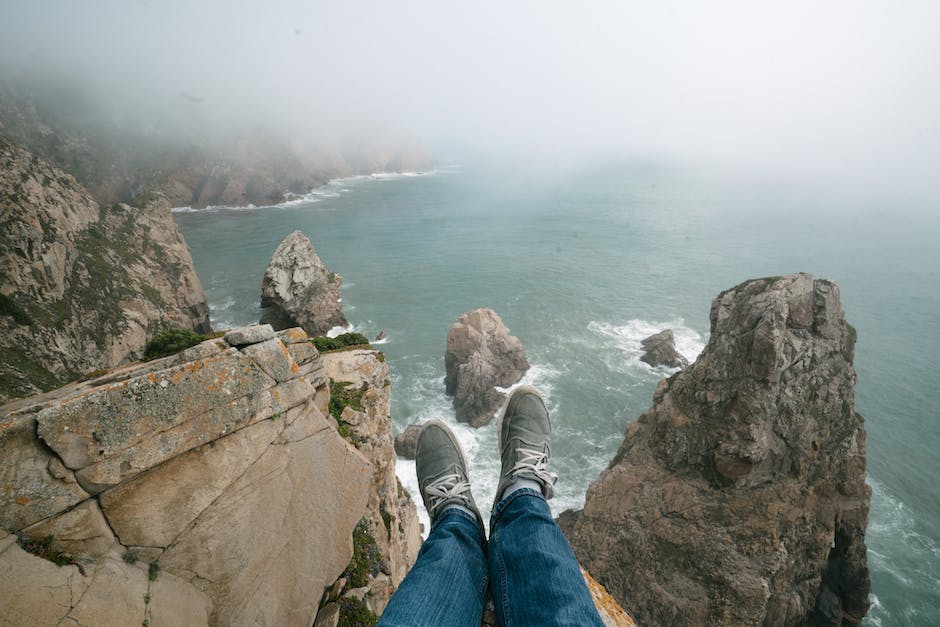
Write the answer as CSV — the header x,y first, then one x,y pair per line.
x,y
739,498
211,487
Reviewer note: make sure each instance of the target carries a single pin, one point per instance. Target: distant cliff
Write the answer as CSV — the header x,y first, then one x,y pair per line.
x,y
212,487
739,498
83,286
117,161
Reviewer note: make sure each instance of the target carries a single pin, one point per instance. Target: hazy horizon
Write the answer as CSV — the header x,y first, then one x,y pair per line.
x,y
841,94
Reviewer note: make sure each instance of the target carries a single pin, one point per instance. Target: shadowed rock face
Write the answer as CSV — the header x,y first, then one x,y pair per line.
x,y
740,496
90,283
298,290
480,356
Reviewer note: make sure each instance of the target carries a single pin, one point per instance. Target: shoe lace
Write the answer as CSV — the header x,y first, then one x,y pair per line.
x,y
447,486
534,463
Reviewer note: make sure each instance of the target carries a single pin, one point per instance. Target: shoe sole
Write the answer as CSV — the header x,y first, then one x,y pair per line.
x,y
527,389
451,437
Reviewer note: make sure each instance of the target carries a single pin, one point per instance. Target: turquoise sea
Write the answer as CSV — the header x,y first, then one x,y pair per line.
x,y
581,266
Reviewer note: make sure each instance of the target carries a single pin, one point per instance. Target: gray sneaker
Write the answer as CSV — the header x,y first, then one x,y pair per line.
x,y
525,441
442,470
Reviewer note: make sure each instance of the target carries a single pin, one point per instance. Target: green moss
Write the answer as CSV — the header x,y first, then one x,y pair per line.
x,y
43,548
130,557
9,308
171,341
153,571
386,520
341,396
366,557
325,344
143,200
355,613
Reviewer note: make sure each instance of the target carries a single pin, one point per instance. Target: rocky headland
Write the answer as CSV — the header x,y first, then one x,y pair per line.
x,y
83,286
480,356
299,290
739,498
118,158
211,487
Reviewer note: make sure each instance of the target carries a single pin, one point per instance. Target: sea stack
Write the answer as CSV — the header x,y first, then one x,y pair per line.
x,y
739,498
299,290
660,350
481,355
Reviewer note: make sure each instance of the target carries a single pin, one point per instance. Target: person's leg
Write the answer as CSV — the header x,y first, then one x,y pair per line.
x,y
535,577
448,583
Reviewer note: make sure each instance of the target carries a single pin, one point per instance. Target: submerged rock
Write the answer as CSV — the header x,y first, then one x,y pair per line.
x,y
481,355
739,498
406,442
661,351
298,289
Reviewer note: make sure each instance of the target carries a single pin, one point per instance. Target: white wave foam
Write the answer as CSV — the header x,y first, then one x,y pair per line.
x,y
479,444
338,330
333,188
628,338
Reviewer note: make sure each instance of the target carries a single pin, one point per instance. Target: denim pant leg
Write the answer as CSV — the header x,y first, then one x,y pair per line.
x,y
535,576
447,585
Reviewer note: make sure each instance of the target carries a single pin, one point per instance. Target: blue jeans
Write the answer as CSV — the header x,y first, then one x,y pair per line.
x,y
528,565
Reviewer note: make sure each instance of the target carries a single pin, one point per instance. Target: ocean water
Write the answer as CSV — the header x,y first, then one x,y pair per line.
x,y
583,265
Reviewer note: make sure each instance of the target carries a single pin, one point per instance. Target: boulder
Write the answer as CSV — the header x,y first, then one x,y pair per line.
x,y
661,351
481,355
406,442
739,498
298,290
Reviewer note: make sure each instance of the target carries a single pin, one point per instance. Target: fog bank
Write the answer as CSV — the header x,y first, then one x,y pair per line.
x,y
844,91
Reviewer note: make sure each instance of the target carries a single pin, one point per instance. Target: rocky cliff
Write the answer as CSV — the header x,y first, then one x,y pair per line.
x,y
209,487
117,155
739,498
82,285
299,290
480,356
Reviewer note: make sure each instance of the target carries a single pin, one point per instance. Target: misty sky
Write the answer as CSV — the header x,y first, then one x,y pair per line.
x,y
849,90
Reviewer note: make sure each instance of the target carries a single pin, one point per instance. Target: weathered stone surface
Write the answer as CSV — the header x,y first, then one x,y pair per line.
x,y
91,427
328,616
661,351
612,615
152,509
298,290
481,356
406,442
254,334
90,282
36,591
115,596
277,573
740,496
303,353
79,531
175,602
294,335
273,357
33,484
